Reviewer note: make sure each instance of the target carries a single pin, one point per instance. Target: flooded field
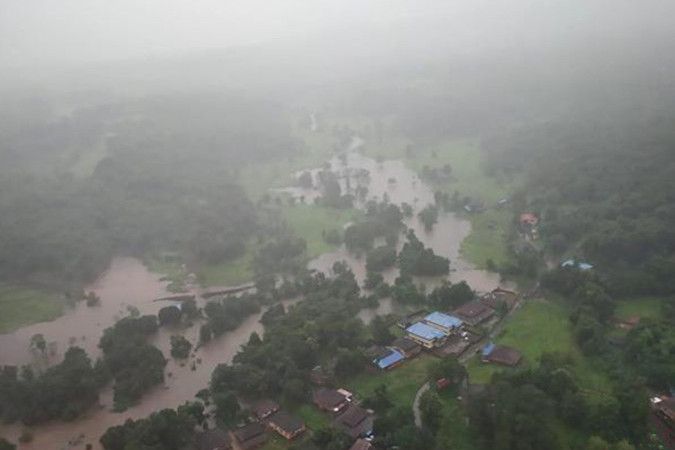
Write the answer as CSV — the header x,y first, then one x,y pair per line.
x,y
128,284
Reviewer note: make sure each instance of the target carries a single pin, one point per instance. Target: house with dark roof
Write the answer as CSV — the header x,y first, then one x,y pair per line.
x,y
407,347
500,354
264,408
443,322
329,399
425,335
361,444
215,439
320,376
286,425
355,421
250,436
390,360
474,312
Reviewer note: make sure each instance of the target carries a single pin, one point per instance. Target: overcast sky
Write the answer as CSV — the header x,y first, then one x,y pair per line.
x,y
36,32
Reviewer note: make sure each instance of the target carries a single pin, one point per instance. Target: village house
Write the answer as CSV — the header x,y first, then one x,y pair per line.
x,y
355,421
500,354
361,444
250,436
329,400
286,425
425,335
407,347
390,360
474,312
215,439
264,408
663,418
443,322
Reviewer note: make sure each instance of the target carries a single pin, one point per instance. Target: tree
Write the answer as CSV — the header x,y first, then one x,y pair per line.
x,y
428,216
414,259
305,180
169,315
380,258
430,408
6,445
180,347
227,407
380,331
205,333
38,342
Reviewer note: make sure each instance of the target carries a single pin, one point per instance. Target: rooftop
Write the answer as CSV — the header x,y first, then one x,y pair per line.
x,y
328,398
361,444
425,331
353,416
249,431
264,408
389,360
443,320
287,422
504,355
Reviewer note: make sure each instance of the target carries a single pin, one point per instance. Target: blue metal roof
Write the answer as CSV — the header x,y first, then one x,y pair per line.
x,y
389,360
488,349
573,263
425,331
443,320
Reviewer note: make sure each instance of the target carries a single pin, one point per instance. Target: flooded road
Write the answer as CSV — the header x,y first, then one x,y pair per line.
x,y
128,283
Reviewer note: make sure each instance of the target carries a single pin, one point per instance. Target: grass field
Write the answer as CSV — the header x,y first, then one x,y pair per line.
x,y
310,221
541,326
23,306
231,273
313,418
402,382
488,238
644,307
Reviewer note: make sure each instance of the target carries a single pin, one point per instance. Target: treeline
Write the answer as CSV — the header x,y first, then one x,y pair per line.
x,y
604,190
165,181
648,350
524,409
63,391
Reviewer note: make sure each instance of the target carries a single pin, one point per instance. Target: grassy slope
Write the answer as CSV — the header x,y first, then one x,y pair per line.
x,y
541,326
644,307
23,306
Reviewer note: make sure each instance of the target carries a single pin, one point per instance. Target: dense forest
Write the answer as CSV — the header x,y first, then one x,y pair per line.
x,y
159,185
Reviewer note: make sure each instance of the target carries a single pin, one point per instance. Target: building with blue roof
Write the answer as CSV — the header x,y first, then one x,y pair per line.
x,y
443,322
425,335
579,265
389,361
487,349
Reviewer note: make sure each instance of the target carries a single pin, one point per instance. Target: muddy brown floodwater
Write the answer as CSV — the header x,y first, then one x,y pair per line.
x,y
128,283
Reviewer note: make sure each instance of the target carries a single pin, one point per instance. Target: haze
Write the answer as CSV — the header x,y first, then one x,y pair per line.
x,y
215,213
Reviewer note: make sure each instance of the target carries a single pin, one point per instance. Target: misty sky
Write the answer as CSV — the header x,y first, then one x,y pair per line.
x,y
35,32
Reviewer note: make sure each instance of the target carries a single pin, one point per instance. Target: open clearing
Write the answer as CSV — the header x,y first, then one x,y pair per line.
x,y
22,306
541,326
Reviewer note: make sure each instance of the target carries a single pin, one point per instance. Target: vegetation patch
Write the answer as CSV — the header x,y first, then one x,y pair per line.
x,y
538,327
312,222
23,306
488,239
402,382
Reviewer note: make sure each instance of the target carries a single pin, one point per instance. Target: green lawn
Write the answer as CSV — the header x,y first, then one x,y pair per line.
x,y
309,221
541,326
230,273
488,238
313,418
23,306
454,431
402,382
645,307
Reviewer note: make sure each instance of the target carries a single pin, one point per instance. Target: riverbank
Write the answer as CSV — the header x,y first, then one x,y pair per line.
x,y
22,306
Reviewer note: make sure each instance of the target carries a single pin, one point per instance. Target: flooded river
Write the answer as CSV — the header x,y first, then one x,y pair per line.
x,y
128,283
